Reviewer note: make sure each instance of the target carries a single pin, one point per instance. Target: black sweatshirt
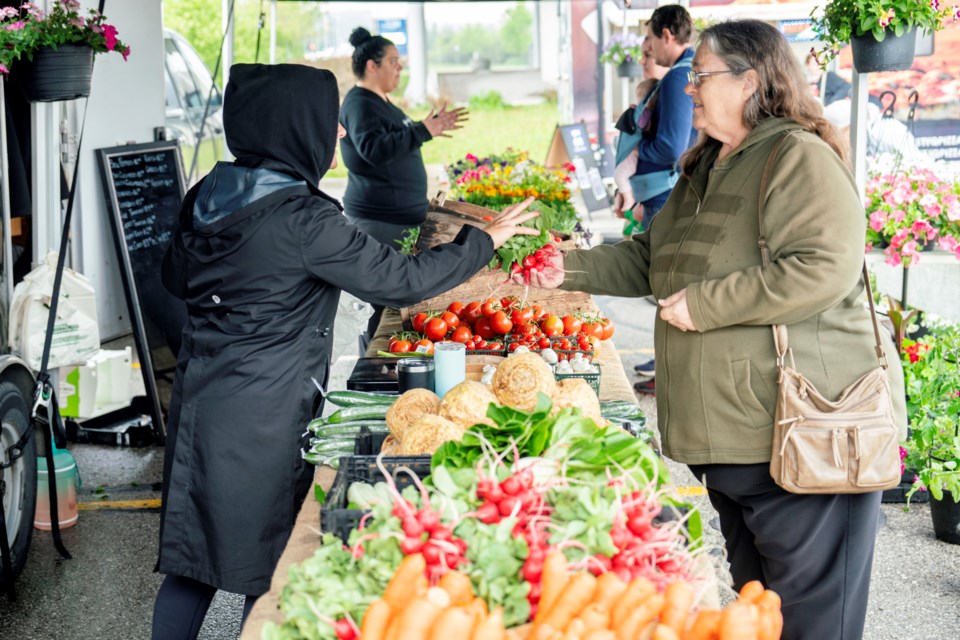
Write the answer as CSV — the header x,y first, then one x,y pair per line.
x,y
387,180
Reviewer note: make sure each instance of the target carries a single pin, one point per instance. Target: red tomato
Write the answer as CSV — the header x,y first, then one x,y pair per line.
x,y
564,345
521,315
471,346
538,311
551,325
489,307
462,334
481,343
607,329
455,307
483,328
400,346
452,319
571,325
470,313
477,339
544,343
583,342
513,346
436,329
509,302
593,329
423,346
501,323
495,346
419,320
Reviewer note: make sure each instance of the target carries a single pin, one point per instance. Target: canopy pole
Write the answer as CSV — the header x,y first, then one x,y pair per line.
x,y
273,31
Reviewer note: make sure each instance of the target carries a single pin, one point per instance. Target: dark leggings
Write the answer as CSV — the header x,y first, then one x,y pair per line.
x,y
181,606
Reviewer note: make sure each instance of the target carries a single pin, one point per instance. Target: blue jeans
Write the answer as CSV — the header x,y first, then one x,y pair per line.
x,y
652,206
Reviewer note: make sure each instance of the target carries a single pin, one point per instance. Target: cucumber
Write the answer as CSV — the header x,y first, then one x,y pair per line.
x,y
613,409
359,398
318,427
353,414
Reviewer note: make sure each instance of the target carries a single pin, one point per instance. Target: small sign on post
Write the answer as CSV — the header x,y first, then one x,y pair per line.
x,y
572,144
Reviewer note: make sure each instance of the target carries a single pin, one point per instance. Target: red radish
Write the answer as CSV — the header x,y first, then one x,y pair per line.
x,y
412,527
511,486
488,513
344,630
411,545
508,505
431,553
429,519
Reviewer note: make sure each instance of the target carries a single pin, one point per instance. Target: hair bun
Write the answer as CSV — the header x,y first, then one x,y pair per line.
x,y
359,36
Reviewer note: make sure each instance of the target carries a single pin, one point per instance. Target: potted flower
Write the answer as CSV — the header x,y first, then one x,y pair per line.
x,y
54,51
932,382
625,51
881,32
909,210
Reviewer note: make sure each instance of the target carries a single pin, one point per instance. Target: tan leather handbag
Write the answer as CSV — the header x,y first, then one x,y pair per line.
x,y
847,445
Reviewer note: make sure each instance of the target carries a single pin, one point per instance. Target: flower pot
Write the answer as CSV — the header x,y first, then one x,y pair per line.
x,y
63,73
893,54
630,69
946,518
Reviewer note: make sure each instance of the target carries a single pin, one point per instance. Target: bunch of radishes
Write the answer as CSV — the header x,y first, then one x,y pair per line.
x,y
539,259
424,533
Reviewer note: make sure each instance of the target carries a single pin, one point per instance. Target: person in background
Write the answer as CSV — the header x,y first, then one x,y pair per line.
x,y
715,351
260,258
631,125
885,135
670,131
386,191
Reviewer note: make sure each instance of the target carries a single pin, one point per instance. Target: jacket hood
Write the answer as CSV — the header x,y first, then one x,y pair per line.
x,y
283,117
229,188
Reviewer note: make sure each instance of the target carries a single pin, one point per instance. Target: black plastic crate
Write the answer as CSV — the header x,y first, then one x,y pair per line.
x,y
335,517
368,443
592,377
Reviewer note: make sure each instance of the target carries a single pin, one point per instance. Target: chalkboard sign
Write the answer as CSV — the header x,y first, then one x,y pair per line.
x,y
572,144
144,186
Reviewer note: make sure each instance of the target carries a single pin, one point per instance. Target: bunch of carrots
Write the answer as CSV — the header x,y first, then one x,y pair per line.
x,y
410,609
581,606
573,606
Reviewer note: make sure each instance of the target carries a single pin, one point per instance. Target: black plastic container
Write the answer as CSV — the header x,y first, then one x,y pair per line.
x,y
415,373
946,518
335,517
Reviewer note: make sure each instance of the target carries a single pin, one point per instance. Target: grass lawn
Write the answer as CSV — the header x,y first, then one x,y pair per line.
x,y
529,128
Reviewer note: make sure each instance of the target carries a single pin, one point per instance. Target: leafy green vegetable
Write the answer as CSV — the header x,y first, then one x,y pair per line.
x,y
408,240
519,247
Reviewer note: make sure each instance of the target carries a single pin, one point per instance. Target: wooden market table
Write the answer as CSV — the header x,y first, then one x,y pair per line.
x,y
614,385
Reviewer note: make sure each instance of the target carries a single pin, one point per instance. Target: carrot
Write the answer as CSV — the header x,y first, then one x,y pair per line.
x,y
594,616
519,633
705,626
639,617
405,583
576,627
739,622
769,599
664,632
576,595
438,596
491,628
751,591
678,597
393,629
541,632
609,588
635,593
455,622
417,619
375,621
554,579
600,634
770,623
458,586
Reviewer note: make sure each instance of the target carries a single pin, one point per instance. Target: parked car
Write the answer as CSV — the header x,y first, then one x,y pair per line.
x,y
189,86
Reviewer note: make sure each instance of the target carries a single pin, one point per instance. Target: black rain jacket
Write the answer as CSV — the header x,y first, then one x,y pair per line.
x,y
260,259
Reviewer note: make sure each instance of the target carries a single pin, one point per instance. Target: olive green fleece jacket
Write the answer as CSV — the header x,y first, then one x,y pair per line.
x,y
716,386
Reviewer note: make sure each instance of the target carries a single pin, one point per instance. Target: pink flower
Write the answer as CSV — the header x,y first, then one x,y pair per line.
x,y
893,258
935,4
877,220
887,17
110,35
7,12
923,228
15,26
909,249
472,158
951,202
947,242
125,53
3,68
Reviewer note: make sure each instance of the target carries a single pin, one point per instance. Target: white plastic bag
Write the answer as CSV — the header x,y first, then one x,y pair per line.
x,y
76,334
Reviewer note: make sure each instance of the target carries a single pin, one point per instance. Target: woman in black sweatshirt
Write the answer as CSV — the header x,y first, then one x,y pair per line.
x,y
387,182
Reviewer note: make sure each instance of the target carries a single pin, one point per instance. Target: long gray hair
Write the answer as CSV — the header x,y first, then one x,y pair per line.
x,y
783,91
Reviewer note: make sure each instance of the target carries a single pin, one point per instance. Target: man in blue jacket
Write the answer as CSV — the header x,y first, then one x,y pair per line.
x,y
669,132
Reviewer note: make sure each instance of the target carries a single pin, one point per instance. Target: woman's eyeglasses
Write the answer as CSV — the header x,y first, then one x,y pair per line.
x,y
693,77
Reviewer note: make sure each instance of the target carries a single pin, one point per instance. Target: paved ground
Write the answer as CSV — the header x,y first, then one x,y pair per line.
x,y
106,592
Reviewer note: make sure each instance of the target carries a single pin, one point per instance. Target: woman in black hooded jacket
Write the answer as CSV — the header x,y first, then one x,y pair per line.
x,y
260,259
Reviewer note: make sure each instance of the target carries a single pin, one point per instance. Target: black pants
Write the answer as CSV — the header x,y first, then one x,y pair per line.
x,y
815,551
181,606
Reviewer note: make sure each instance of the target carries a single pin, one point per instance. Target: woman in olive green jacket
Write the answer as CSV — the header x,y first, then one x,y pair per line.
x,y
716,371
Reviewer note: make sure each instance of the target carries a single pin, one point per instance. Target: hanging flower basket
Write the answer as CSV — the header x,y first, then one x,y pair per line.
x,y
63,73
630,69
894,53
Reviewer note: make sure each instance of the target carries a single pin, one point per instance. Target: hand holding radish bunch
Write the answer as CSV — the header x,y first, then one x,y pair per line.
x,y
545,271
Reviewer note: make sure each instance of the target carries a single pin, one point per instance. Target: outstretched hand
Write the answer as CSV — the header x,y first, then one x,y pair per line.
x,y
507,224
549,275
439,122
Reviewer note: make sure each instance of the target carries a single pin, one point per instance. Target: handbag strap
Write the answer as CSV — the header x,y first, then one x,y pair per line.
x,y
780,330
